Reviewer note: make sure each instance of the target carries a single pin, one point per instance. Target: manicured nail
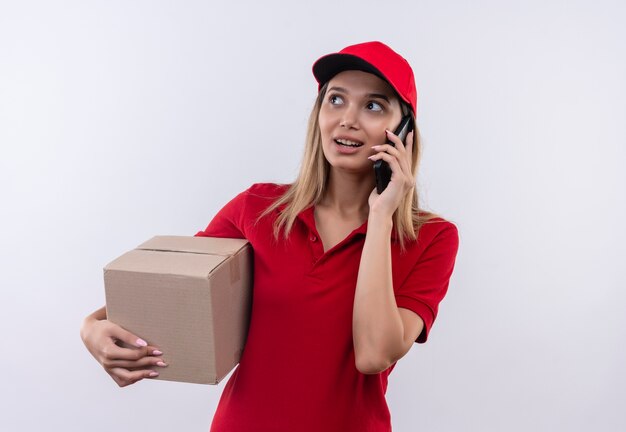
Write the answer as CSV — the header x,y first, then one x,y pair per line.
x,y
153,374
375,147
370,157
161,364
141,343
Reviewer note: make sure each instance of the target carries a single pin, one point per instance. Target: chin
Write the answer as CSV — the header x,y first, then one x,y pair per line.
x,y
353,164
352,168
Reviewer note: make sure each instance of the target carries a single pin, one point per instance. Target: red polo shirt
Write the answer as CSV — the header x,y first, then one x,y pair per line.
x,y
297,371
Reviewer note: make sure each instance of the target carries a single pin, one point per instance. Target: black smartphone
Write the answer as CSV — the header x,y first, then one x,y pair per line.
x,y
382,171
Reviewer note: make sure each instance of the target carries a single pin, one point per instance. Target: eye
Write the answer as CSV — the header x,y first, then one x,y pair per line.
x,y
335,99
374,106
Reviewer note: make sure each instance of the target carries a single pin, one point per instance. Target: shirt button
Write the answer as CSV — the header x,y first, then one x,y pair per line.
x,y
313,238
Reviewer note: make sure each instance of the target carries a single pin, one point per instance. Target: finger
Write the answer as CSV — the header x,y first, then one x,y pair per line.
x,y
404,159
392,161
150,349
124,377
394,138
389,149
133,376
142,363
127,337
113,352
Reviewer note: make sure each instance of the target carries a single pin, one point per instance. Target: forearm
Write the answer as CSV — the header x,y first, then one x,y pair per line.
x,y
377,325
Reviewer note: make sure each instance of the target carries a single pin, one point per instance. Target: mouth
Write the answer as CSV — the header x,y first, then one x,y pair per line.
x,y
348,143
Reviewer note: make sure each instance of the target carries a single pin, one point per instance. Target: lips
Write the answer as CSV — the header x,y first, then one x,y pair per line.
x,y
348,142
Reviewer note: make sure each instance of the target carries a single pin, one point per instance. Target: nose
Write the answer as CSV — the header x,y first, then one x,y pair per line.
x,y
349,119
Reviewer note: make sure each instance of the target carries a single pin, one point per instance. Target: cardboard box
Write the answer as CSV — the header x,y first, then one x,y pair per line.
x,y
190,296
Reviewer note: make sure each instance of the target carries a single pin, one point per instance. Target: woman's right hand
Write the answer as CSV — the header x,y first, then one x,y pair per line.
x,y
123,355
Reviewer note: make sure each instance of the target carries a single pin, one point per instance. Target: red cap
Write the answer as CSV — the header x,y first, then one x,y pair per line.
x,y
373,57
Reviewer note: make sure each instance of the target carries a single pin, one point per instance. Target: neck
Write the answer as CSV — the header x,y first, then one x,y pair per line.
x,y
347,194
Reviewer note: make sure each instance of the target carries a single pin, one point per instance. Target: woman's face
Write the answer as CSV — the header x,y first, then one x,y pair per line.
x,y
356,110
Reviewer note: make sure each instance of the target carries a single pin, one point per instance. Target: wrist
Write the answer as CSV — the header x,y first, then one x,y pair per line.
x,y
84,328
380,219
379,226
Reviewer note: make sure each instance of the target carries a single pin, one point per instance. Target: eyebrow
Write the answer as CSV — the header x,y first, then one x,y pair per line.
x,y
369,95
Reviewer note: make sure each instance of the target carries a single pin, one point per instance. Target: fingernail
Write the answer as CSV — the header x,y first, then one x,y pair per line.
x,y
157,352
161,364
141,343
370,157
153,374
375,147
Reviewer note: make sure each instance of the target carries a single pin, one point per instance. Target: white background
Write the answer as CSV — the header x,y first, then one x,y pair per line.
x,y
120,120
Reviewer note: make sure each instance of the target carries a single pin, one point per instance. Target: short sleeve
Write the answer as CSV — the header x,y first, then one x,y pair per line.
x,y
229,221
427,282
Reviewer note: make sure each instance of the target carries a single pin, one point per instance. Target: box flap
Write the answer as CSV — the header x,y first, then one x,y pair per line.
x,y
200,245
183,264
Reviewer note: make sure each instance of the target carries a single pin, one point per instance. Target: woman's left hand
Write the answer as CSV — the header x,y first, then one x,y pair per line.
x,y
402,180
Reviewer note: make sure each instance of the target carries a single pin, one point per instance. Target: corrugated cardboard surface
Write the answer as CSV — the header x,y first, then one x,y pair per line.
x,y
190,296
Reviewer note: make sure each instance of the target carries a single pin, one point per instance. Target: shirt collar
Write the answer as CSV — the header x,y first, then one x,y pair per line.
x,y
308,218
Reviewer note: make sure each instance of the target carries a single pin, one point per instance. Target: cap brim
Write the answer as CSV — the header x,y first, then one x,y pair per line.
x,y
330,65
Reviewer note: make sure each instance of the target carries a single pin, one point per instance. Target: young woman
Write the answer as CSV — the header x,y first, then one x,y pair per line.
x,y
345,279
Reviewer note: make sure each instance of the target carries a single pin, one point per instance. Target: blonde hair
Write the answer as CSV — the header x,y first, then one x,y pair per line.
x,y
310,186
